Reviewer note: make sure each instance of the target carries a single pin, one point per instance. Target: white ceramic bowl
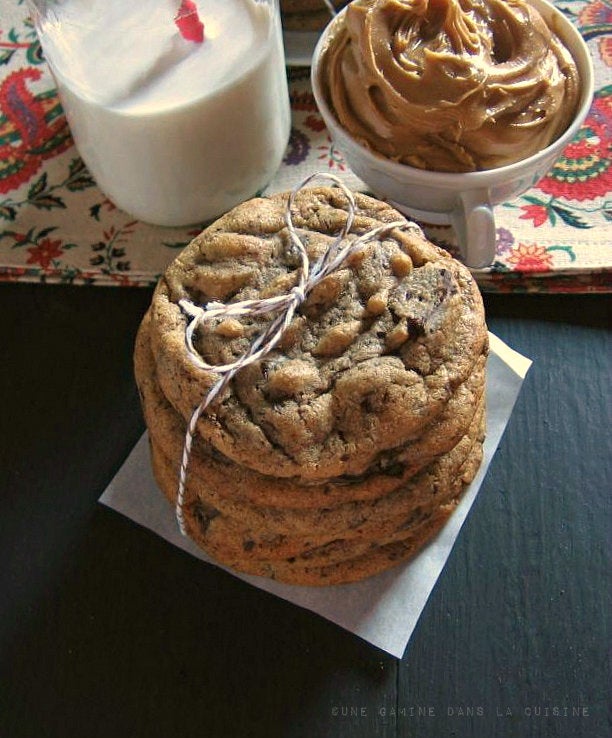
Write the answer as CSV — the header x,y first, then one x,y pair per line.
x,y
464,200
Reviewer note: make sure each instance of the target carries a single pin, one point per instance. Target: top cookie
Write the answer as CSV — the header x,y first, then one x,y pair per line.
x,y
370,359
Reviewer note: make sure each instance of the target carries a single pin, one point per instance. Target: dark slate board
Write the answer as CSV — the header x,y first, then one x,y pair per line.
x,y
105,630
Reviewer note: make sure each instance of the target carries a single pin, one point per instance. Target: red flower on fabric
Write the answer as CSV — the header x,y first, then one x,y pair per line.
x,y
28,133
44,252
315,123
536,213
333,156
584,170
596,13
595,19
302,101
530,258
605,50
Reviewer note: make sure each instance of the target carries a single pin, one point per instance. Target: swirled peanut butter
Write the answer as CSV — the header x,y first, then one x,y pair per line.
x,y
449,85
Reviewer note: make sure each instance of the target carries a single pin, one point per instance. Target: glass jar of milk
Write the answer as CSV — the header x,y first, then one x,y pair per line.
x,y
175,131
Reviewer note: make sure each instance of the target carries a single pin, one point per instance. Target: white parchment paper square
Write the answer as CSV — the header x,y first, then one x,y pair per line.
x,y
383,609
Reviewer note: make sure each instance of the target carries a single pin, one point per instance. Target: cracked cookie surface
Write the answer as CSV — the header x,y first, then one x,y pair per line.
x,y
371,357
233,481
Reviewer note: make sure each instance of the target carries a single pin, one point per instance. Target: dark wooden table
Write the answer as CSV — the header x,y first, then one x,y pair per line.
x,y
107,631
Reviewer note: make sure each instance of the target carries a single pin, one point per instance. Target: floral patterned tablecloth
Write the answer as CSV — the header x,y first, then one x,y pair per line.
x,y
56,225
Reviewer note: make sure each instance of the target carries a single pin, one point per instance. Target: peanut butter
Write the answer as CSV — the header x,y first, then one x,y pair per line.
x,y
449,85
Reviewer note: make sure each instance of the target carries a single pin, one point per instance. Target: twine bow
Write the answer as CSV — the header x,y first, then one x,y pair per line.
x,y
330,7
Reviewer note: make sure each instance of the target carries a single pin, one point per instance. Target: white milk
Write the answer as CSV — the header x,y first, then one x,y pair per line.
x,y
174,132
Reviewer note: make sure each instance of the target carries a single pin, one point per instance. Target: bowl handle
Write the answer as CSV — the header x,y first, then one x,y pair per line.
x,y
474,225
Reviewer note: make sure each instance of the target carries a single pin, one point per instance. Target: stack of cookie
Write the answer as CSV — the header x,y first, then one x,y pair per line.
x,y
344,449
308,15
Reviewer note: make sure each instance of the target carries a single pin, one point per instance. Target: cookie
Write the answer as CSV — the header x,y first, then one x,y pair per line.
x,y
388,472
371,357
375,560
241,529
227,539
340,451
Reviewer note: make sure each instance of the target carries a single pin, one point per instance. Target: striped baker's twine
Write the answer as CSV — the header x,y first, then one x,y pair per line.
x,y
283,305
330,7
